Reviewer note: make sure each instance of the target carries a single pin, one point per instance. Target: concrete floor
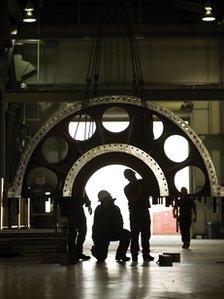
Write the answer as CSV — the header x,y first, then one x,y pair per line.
x,y
199,275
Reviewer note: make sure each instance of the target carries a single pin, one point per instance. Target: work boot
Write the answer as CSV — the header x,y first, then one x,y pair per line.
x,y
148,258
186,245
123,259
134,261
84,257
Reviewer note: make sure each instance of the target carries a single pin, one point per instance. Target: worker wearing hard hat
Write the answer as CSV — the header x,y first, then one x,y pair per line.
x,y
138,201
108,226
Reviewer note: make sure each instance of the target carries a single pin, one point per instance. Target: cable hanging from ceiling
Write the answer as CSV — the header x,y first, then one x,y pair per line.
x,y
92,76
137,79
93,68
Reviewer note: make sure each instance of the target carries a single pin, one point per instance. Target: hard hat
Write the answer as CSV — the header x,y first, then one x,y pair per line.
x,y
129,172
103,194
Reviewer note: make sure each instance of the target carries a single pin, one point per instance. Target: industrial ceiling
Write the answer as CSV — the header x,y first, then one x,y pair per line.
x,y
149,17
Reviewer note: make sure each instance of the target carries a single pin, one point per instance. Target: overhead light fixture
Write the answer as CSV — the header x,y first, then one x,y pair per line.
x,y
208,14
29,17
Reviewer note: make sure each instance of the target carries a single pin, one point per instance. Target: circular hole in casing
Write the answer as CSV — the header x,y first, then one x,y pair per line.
x,y
115,119
197,175
55,149
176,148
157,127
82,127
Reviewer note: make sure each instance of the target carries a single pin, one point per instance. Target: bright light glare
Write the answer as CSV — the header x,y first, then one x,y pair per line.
x,y
115,126
208,17
108,178
29,20
48,205
176,148
181,178
82,130
157,129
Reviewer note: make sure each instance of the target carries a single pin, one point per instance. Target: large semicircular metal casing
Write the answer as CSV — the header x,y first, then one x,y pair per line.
x,y
132,147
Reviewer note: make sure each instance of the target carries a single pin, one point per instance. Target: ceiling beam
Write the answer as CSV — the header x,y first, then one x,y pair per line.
x,y
212,94
62,31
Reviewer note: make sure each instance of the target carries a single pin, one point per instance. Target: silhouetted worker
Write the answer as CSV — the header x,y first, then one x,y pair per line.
x,y
183,212
72,209
108,226
138,200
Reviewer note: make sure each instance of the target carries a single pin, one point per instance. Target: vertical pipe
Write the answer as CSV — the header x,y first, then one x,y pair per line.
x,y
221,61
28,212
38,62
2,137
209,117
2,133
208,61
221,108
1,202
19,213
4,31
